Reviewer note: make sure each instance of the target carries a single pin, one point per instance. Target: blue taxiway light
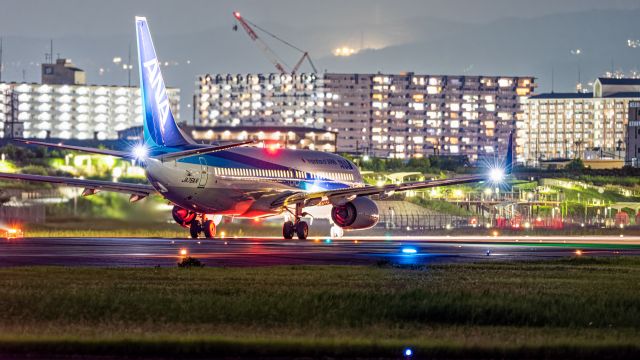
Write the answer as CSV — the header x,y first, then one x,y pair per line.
x,y
408,352
409,251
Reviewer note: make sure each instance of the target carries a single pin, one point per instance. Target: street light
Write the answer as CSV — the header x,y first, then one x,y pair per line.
x,y
577,53
619,148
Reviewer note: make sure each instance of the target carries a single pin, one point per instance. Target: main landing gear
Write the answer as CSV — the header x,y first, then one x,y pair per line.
x,y
206,227
296,227
197,223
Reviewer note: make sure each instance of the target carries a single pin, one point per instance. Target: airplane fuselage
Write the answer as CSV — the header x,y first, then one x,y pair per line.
x,y
243,182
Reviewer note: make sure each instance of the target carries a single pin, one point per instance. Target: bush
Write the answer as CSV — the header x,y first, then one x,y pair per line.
x,y
34,170
189,262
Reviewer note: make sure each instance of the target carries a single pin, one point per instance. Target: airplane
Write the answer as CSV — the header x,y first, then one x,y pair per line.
x,y
206,182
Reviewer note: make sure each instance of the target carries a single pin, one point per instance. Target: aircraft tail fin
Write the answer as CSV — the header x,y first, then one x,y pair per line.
x,y
160,128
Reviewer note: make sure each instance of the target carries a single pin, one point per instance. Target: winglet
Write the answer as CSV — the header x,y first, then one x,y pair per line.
x,y
508,161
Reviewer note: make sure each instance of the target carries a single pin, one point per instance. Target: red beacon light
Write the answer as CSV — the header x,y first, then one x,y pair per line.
x,y
272,148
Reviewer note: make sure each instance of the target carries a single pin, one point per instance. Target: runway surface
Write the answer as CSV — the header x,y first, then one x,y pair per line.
x,y
273,251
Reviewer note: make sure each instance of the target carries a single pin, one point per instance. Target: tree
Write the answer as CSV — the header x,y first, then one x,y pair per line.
x,y
575,165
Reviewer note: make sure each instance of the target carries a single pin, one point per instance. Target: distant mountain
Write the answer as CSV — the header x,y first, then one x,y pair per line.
x,y
516,47
512,46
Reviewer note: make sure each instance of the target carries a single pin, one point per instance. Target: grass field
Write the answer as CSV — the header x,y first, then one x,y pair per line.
x,y
573,308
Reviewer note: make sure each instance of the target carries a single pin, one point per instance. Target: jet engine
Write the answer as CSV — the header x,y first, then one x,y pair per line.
x,y
182,216
360,213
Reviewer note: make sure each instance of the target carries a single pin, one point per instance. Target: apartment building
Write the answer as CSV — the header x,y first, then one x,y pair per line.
x,y
385,115
589,125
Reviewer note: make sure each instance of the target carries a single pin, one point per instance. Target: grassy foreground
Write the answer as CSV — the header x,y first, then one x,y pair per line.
x,y
588,308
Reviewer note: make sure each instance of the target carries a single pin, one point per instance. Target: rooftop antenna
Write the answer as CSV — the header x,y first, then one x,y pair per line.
x,y
579,74
0,59
612,68
552,79
48,57
129,67
579,79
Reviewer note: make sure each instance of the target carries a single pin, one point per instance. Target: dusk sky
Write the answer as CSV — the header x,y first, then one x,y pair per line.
x,y
510,37
37,18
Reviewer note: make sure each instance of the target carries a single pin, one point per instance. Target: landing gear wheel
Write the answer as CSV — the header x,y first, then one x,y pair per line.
x,y
194,229
209,229
288,230
302,230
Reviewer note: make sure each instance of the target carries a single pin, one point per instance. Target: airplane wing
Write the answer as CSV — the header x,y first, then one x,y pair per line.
x,y
199,151
132,156
310,199
137,191
120,154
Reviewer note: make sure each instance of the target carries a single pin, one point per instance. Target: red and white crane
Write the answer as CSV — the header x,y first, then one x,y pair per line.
x,y
248,26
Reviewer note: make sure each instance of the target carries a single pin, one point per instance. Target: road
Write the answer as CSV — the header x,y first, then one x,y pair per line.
x,y
272,251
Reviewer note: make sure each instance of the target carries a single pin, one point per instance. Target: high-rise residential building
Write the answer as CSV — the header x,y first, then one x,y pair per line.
x,y
385,115
411,115
71,111
585,125
260,100
64,107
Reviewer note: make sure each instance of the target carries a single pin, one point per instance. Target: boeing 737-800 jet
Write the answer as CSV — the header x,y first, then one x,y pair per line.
x,y
206,182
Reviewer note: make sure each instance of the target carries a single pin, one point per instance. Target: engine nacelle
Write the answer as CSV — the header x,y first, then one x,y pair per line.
x,y
360,213
182,216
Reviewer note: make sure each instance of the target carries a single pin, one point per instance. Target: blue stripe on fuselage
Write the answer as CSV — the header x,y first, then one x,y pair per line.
x,y
223,158
228,159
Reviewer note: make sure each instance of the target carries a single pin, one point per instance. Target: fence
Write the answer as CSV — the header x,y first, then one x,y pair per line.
x,y
421,221
31,214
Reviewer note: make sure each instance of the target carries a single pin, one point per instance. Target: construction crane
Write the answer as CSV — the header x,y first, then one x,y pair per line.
x,y
248,26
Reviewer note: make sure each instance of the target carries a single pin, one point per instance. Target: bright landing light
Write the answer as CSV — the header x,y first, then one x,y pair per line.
x,y
496,175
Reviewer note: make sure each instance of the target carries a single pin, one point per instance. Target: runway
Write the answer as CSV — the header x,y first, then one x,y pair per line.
x,y
120,252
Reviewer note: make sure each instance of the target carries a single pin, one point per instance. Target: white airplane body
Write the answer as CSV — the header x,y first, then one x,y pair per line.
x,y
205,182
